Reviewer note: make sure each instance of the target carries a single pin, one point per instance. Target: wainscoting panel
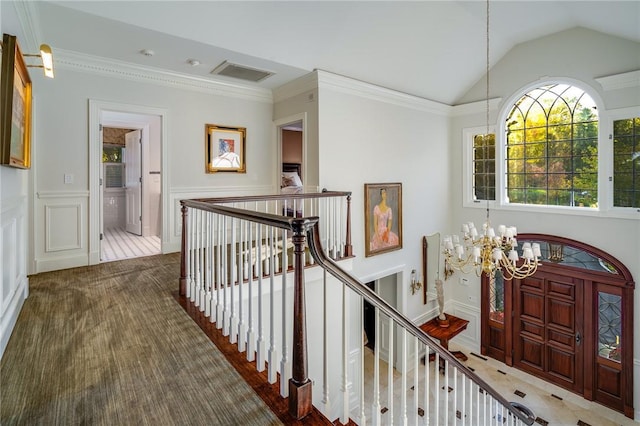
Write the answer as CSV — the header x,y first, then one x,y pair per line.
x,y
471,336
62,224
60,233
15,284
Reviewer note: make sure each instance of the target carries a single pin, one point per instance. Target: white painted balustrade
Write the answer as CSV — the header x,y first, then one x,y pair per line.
x,y
239,260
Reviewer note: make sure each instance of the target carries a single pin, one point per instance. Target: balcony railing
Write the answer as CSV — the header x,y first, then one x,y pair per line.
x,y
247,265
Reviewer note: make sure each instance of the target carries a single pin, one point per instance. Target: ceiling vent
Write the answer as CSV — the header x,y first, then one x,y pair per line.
x,y
241,72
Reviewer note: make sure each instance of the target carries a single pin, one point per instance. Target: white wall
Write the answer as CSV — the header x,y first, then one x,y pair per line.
x,y
61,210
14,234
373,135
583,56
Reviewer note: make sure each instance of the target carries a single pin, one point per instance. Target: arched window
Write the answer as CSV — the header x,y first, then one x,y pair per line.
x,y
552,148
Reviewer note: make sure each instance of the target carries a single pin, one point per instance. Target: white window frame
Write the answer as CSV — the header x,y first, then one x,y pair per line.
x,y
467,166
613,115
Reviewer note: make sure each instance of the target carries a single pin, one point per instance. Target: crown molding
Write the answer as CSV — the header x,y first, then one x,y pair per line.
x,y
67,59
475,107
26,12
625,80
370,91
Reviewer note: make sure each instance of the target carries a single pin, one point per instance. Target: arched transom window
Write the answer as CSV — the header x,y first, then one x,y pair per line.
x,y
552,148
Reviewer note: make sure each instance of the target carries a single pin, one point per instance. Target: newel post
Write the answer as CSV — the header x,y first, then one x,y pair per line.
x,y
183,253
300,398
348,248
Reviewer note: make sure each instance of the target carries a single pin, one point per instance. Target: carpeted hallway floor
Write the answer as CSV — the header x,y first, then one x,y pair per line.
x,y
108,345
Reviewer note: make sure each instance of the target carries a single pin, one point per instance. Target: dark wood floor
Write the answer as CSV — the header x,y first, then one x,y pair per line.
x,y
257,380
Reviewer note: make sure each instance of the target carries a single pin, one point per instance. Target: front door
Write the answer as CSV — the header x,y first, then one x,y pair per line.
x,y
133,182
548,329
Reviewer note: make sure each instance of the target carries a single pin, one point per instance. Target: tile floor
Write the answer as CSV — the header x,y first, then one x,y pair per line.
x,y
551,405
119,244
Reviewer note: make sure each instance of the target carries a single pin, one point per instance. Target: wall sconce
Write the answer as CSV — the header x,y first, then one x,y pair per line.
x,y
415,284
47,60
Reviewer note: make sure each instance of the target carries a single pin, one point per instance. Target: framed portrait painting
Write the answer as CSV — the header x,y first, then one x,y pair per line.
x,y
225,149
382,217
15,119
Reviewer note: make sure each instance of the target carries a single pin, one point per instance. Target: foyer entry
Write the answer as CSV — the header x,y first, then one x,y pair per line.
x,y
570,324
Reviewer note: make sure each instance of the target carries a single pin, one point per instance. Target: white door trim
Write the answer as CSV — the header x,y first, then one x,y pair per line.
x,y
96,107
278,124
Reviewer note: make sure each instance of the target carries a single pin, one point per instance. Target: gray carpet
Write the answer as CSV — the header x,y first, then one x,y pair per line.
x,y
108,345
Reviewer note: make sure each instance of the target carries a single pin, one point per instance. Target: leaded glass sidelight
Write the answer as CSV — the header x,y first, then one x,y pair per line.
x,y
609,326
496,297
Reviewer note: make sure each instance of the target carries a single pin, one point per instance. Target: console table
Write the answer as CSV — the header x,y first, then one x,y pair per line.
x,y
444,334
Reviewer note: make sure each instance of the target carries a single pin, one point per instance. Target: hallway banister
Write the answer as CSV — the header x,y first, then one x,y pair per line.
x,y
329,265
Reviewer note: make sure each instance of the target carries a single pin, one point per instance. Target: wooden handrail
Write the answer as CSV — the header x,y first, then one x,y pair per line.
x,y
314,245
302,195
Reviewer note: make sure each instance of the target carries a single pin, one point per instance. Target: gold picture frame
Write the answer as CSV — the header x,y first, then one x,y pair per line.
x,y
15,119
382,218
225,149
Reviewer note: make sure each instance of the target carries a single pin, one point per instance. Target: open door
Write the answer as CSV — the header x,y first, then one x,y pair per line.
x,y
133,182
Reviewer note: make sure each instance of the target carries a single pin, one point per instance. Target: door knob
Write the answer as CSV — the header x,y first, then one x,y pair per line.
x,y
578,338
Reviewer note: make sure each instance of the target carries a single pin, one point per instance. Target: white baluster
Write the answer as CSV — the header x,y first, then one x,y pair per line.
x,y
228,282
261,347
251,336
325,346
285,364
403,394
219,271
235,265
377,420
242,332
389,413
436,394
209,268
427,385
273,351
446,392
344,417
416,387
363,417
189,249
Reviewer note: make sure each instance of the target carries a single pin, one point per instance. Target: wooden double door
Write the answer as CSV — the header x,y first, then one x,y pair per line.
x,y
548,329
571,323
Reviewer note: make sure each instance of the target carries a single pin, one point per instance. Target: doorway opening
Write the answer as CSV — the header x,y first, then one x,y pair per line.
x,y
130,190
385,287
291,148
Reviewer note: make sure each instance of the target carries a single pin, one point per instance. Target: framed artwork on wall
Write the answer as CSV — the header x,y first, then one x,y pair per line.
x,y
225,149
382,217
15,119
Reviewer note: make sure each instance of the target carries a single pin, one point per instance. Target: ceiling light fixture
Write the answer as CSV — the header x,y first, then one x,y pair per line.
x,y
47,60
147,52
193,62
489,252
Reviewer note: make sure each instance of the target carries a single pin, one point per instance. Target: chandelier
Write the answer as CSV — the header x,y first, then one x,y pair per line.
x,y
489,251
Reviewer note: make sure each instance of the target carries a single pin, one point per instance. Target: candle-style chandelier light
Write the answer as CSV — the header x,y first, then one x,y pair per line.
x,y
489,251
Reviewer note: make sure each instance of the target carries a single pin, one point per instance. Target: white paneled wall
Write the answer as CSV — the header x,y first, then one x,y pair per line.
x,y
60,224
15,284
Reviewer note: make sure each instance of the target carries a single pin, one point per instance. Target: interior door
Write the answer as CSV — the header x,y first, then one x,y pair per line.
x,y
547,329
133,182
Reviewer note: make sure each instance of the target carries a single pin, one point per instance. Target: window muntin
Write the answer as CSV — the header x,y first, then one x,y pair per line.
x,y
552,148
626,162
484,167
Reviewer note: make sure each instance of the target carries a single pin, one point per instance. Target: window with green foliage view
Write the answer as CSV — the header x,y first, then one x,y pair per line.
x,y
626,162
552,148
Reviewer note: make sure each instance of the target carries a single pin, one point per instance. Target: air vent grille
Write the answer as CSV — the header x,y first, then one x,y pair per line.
x,y
241,72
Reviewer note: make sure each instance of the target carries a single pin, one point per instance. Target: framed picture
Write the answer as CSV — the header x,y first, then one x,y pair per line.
x,y
382,217
15,116
225,149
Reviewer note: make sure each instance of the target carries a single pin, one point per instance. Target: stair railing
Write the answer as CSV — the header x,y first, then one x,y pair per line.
x,y
235,268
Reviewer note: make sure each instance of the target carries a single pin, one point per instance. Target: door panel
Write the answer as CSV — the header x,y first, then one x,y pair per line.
x,y
546,322
133,183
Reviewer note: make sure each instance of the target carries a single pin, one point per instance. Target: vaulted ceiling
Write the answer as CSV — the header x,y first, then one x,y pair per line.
x,y
431,49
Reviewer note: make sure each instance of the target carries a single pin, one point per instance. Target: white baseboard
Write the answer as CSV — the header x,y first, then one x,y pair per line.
x,y
60,262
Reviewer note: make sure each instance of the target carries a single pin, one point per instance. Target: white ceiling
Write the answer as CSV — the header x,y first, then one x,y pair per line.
x,y
431,49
